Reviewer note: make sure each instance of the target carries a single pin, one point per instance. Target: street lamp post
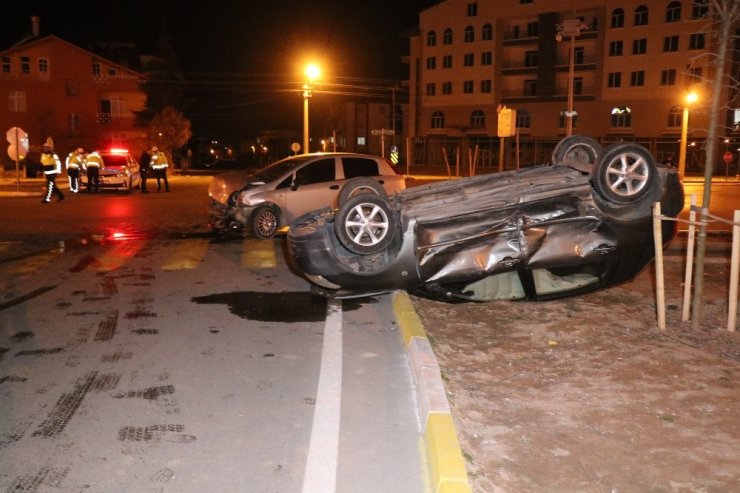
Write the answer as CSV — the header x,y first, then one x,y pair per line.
x,y
312,72
690,98
570,28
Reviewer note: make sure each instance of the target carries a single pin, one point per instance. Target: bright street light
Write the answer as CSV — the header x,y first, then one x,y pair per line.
x,y
312,73
690,98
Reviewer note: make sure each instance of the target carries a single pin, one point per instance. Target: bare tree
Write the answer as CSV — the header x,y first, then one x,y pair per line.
x,y
725,16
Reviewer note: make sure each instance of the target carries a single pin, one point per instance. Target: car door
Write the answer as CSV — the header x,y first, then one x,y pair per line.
x,y
314,187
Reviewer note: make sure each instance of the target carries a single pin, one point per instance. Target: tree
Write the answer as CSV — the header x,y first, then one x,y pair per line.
x,y
169,129
725,15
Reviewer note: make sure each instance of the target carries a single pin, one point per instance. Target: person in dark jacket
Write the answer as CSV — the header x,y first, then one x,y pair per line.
x,y
144,161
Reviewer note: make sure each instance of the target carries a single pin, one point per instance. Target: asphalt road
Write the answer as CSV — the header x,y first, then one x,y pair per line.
x,y
139,354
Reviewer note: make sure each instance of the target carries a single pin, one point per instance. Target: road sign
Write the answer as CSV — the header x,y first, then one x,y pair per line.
x,y
18,140
383,131
506,121
727,157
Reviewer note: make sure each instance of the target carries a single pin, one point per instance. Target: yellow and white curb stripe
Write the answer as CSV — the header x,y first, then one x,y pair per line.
x,y
443,453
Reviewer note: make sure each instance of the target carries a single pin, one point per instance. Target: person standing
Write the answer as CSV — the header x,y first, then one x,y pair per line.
x,y
159,164
144,161
75,162
93,163
51,166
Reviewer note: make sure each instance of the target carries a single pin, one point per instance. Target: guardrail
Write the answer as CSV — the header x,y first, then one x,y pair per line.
x,y
659,271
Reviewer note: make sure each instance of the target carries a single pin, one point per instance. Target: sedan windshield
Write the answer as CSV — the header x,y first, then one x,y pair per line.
x,y
115,161
276,170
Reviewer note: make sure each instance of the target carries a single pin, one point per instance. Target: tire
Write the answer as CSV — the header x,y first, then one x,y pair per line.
x,y
264,222
577,150
625,174
365,224
360,185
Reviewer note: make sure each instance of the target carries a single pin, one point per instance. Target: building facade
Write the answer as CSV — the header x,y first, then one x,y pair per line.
x,y
619,69
54,89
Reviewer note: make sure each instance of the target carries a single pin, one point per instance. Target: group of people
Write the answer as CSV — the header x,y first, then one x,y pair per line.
x,y
78,160
157,162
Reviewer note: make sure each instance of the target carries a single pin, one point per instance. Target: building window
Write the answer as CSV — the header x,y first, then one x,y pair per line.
x,y
431,89
431,63
478,119
564,119
695,75
469,34
616,48
486,58
468,60
26,64
447,37
530,59
7,67
700,9
617,18
641,16
621,117
579,55
639,46
96,69
530,87
487,33
670,43
485,86
533,29
17,102
615,79
431,38
523,119
668,77
675,117
673,12
577,85
468,87
43,65
438,119
696,41
637,78
472,9
447,88
447,61
72,88
73,123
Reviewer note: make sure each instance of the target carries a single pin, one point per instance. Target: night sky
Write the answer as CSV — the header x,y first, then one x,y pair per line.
x,y
244,57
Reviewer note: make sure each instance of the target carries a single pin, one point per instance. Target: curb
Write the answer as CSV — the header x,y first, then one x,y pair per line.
x,y
443,453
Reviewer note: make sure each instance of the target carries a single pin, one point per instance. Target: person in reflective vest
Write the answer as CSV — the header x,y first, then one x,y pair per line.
x,y
52,166
159,165
93,163
75,162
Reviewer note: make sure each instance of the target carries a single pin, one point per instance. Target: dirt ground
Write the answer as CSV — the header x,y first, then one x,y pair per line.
x,y
586,394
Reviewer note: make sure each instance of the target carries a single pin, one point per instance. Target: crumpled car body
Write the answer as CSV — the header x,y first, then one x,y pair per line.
x,y
540,233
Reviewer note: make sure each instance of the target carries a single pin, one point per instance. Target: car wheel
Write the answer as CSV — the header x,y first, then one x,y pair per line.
x,y
360,185
365,224
264,222
577,149
625,173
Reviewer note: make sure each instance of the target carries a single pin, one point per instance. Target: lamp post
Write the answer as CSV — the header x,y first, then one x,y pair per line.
x,y
312,73
691,98
570,28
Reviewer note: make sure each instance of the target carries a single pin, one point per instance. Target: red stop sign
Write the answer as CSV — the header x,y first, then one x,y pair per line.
x,y
727,157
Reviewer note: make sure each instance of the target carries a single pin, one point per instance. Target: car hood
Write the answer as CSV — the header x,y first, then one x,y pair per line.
x,y
222,185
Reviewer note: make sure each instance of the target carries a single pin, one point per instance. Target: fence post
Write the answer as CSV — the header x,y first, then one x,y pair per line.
x,y
659,277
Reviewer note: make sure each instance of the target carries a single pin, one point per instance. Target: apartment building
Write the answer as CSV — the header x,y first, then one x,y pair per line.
x,y
622,67
53,88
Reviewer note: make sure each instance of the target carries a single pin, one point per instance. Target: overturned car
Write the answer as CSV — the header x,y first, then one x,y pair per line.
x,y
582,223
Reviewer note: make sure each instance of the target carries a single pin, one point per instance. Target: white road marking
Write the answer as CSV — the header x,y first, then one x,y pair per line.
x,y
321,465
